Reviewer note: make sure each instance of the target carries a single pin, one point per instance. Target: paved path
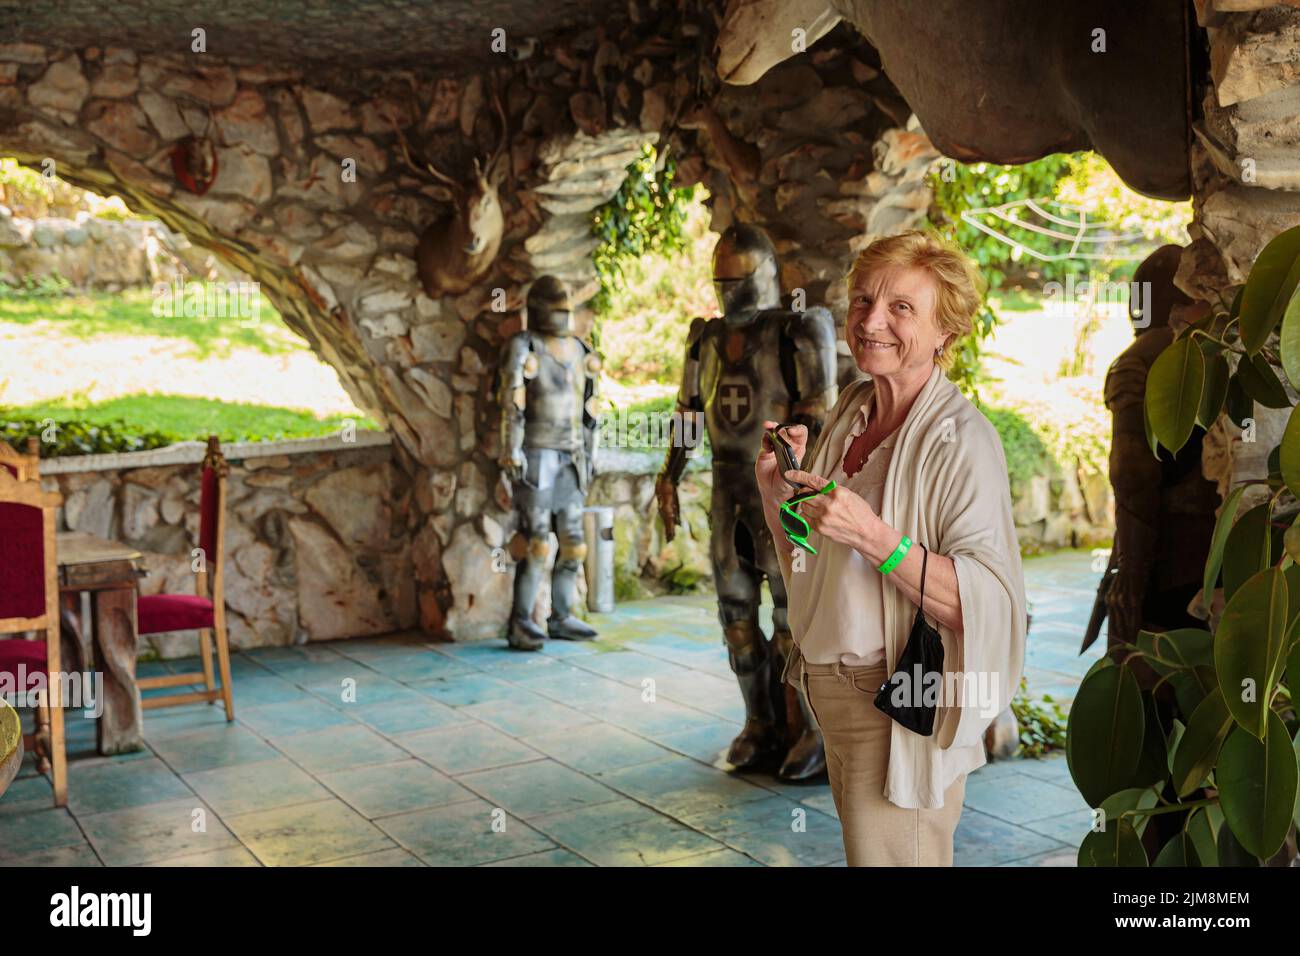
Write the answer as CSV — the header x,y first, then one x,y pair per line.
x,y
600,753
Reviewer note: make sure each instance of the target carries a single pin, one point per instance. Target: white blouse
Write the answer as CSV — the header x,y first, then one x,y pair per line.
x,y
836,608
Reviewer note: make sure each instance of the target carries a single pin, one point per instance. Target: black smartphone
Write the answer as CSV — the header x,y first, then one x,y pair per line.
x,y
785,456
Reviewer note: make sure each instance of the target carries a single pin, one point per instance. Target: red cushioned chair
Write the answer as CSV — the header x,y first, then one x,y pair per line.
x,y
29,601
204,610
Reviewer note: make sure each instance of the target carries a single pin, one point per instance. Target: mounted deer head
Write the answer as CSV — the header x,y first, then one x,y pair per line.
x,y
457,251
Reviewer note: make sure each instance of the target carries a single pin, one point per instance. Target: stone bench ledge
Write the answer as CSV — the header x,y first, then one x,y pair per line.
x,y
191,453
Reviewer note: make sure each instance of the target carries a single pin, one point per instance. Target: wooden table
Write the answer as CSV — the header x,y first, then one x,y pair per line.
x,y
11,745
107,570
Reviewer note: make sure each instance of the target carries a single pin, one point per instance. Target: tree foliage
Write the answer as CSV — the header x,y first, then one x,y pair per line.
x,y
646,217
1082,179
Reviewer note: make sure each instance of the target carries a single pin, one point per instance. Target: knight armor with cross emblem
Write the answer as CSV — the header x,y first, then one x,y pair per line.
x,y
758,362
549,419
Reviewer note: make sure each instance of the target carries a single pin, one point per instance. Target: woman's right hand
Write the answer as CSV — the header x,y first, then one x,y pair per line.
x,y
773,487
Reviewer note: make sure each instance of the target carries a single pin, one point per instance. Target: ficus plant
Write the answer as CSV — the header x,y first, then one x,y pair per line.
x,y
1191,731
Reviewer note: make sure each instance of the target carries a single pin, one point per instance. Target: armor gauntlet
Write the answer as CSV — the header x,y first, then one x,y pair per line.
x,y
689,411
591,408
518,363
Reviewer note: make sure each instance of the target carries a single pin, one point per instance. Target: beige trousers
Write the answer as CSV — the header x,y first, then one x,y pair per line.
x,y
856,733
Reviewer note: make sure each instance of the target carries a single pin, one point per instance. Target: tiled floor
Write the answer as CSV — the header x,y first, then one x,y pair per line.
x,y
601,753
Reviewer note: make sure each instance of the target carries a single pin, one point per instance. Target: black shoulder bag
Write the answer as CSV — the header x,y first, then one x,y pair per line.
x,y
918,670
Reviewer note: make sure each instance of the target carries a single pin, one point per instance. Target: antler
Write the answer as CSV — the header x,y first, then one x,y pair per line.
x,y
406,154
487,167
505,130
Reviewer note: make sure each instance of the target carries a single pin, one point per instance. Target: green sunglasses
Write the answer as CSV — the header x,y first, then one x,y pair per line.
x,y
794,525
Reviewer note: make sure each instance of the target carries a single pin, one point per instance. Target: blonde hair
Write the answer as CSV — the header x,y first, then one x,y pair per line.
x,y
959,288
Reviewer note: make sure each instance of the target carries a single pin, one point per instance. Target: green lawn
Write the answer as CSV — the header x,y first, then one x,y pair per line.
x,y
190,418
131,312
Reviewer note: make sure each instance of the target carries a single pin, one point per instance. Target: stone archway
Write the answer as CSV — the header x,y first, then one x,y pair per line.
x,y
816,155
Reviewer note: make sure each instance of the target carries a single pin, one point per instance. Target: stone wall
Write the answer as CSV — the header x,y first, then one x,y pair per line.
x,y
1070,508
96,253
91,253
1246,186
317,539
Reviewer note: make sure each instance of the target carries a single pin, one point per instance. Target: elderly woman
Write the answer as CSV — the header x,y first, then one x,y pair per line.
x,y
912,461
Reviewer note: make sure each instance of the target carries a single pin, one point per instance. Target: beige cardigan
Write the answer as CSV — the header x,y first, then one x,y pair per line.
x,y
948,488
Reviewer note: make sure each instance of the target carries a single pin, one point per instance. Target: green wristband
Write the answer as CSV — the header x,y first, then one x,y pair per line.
x,y
891,562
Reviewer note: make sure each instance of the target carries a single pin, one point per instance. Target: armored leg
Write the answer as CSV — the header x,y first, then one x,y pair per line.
x,y
806,757
757,743
736,579
564,577
524,634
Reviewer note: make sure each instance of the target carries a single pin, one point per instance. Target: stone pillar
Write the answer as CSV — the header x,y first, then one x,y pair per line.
x,y
1246,173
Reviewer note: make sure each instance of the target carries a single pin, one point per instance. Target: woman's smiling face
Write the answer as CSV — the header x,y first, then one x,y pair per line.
x,y
891,326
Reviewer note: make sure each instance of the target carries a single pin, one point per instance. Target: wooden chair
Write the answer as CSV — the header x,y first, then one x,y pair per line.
x,y
23,467
29,601
205,610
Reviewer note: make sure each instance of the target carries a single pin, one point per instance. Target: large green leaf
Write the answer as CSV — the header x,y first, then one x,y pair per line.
x,y
1295,814
1261,383
1240,406
1214,391
1198,748
1288,455
1118,840
1290,341
1118,846
1230,850
1269,287
1227,517
1176,731
1179,851
1153,764
1257,786
1249,645
1173,395
1180,649
1202,825
1104,733
1248,550
1193,686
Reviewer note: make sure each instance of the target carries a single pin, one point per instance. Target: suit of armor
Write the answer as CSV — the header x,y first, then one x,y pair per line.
x,y
549,420
758,362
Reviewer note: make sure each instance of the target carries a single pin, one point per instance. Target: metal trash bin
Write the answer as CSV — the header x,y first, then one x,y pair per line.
x,y
598,529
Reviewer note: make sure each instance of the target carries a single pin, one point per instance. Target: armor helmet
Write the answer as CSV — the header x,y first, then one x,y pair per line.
x,y
1152,293
744,271
549,308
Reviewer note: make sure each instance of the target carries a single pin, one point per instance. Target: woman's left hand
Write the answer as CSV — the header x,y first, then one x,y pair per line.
x,y
841,515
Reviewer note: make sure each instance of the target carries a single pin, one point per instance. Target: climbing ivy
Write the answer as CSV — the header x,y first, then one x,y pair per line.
x,y
645,217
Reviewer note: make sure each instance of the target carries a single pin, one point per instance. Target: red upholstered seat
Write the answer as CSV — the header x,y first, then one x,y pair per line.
x,y
159,613
15,652
22,561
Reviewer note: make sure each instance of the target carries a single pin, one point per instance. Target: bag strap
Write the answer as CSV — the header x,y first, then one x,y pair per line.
x,y
925,557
